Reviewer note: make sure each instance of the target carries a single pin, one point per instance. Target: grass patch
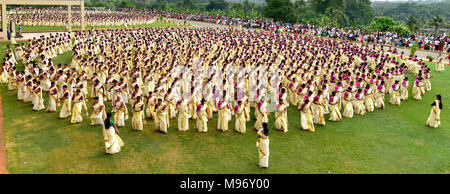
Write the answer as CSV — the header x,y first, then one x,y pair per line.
x,y
394,140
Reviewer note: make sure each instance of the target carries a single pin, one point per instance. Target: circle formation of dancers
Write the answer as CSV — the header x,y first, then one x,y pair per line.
x,y
183,74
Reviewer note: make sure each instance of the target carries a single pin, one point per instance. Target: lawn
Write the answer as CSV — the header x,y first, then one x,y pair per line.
x,y
394,140
61,28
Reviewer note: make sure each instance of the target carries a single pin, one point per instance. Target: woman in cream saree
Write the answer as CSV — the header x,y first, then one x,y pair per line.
x,y
37,99
78,106
263,146
335,114
261,113
183,115
28,97
395,94
348,107
150,106
67,101
427,83
4,77
224,115
306,116
113,143
360,108
379,94
98,112
440,63
162,116
52,98
404,89
417,89
171,107
240,118
121,111
202,120
369,99
138,114
318,109
434,120
281,122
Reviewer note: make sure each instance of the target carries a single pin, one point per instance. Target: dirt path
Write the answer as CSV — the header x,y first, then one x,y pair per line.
x,y
3,169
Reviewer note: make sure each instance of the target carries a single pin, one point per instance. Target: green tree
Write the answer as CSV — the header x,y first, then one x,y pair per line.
x,y
401,29
185,5
188,4
436,21
110,4
324,20
127,4
160,4
320,6
237,6
337,16
382,23
339,12
414,49
280,10
412,23
359,12
304,12
217,4
247,5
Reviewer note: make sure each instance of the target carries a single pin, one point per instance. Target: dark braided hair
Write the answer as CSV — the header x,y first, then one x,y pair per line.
x,y
439,97
108,120
266,130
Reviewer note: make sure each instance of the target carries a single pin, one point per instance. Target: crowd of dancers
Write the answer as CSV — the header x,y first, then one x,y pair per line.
x,y
107,17
193,73
93,17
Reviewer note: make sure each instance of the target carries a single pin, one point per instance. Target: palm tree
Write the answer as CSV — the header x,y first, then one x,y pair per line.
x,y
412,23
436,21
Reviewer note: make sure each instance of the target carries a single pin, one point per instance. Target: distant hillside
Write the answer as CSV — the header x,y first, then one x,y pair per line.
x,y
423,11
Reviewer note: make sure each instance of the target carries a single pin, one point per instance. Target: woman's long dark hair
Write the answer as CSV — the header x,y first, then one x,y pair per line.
x,y
439,97
108,120
266,130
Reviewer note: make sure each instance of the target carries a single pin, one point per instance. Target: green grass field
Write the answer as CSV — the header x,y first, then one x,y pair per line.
x,y
394,140
60,28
